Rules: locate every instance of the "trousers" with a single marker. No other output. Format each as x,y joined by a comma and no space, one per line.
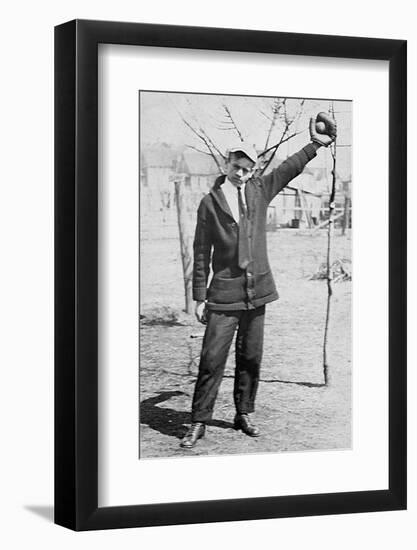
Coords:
220,329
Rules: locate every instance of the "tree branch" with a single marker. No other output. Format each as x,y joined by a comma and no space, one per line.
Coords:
232,121
207,142
275,112
198,150
274,149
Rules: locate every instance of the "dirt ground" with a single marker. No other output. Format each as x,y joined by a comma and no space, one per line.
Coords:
295,411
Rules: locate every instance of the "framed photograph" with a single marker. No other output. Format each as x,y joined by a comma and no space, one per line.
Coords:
230,255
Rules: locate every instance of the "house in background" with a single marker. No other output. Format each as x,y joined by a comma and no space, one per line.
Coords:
303,203
158,167
157,164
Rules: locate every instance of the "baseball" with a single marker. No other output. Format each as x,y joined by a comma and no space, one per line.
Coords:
320,127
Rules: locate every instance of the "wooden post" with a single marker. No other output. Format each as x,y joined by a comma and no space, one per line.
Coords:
305,209
346,214
329,265
185,217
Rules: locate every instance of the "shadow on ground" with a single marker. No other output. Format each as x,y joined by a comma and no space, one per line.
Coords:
168,421
304,384
45,512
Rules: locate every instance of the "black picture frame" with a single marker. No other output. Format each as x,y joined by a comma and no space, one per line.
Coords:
76,273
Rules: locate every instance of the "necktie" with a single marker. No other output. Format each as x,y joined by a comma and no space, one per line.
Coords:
243,250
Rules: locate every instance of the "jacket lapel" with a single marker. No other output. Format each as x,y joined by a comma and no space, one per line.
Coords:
251,192
218,195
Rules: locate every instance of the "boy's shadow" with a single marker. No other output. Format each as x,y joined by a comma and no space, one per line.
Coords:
169,421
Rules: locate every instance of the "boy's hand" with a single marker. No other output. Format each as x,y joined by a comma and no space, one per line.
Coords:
323,129
200,312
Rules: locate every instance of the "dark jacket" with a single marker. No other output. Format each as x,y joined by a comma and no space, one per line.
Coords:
216,241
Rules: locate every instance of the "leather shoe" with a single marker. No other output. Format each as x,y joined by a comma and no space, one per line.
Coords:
243,422
194,433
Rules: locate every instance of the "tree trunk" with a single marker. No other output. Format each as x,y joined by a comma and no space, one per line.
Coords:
326,374
185,216
329,296
345,215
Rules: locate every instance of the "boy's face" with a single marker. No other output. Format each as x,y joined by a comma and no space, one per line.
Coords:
239,170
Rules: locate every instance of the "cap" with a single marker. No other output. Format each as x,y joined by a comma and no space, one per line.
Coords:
245,148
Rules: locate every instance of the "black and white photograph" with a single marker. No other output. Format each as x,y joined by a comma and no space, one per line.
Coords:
245,275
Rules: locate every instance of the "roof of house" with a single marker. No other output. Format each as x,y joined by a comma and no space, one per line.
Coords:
159,155
194,162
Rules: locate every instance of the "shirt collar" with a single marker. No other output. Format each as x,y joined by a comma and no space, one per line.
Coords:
230,187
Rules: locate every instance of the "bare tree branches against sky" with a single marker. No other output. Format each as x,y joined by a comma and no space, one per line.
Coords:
212,122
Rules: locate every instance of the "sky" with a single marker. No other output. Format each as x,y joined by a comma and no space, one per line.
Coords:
161,121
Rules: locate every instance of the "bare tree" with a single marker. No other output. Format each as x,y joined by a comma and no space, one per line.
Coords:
185,229
281,125
279,112
211,148
329,263
230,124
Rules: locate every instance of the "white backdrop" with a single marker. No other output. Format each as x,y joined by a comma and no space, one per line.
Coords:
122,478
26,284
